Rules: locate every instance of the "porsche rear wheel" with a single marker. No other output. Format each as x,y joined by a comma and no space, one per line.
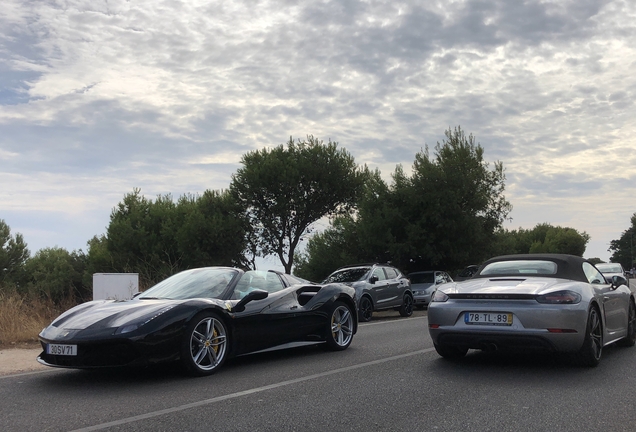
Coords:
592,349
450,352
366,309
205,344
630,339
340,332
406,310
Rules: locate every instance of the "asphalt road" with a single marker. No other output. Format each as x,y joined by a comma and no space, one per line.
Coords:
390,379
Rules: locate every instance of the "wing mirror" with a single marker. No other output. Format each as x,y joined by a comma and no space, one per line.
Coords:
373,280
253,295
618,281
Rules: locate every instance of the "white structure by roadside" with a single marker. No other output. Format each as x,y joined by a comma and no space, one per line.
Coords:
115,286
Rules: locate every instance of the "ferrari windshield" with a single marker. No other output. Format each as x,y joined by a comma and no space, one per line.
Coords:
348,275
198,283
520,267
422,278
609,268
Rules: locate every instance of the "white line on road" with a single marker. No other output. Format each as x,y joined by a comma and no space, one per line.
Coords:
247,392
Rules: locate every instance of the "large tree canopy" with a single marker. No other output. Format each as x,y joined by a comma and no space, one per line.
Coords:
284,190
443,215
543,238
159,238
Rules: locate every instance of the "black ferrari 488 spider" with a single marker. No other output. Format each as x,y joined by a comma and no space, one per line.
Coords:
201,317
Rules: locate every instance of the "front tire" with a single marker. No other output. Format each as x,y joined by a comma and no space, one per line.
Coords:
630,339
590,353
366,309
406,310
450,352
340,332
205,344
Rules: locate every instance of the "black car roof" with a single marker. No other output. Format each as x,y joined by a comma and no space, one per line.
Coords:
568,266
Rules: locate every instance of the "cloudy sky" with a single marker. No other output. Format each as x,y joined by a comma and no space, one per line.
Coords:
98,97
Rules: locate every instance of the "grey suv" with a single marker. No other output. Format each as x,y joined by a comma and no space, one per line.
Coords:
378,287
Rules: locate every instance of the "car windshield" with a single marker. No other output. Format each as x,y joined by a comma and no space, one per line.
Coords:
522,267
422,278
348,275
197,283
609,268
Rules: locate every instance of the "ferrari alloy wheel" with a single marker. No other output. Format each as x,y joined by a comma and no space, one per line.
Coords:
630,338
406,310
592,349
450,352
205,344
341,325
366,309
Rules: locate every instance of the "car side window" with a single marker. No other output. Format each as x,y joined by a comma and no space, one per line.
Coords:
390,273
379,273
593,276
439,278
273,283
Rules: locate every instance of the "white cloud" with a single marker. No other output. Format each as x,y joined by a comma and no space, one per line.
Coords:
99,97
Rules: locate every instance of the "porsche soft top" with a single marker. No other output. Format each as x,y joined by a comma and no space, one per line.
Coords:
560,266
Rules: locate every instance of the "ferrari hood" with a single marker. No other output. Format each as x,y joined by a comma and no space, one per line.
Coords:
109,313
507,285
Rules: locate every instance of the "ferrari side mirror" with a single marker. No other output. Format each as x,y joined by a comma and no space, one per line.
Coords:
253,295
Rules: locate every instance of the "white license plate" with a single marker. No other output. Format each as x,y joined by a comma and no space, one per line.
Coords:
65,350
488,318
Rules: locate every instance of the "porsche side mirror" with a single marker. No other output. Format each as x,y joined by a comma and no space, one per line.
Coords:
373,280
253,295
618,281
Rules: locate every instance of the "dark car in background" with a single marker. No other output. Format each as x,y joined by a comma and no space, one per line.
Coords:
377,286
612,269
424,283
466,273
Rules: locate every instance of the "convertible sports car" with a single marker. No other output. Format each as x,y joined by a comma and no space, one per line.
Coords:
201,317
538,302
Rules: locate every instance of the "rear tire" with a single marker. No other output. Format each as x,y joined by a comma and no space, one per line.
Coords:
590,353
450,352
406,310
366,309
340,331
630,339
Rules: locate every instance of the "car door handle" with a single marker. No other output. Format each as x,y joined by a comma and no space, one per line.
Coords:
294,307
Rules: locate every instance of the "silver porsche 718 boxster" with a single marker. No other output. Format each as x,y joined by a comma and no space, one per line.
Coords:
538,302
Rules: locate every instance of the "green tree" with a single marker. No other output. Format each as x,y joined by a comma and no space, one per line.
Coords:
543,238
159,238
212,231
141,237
624,248
444,215
13,256
284,190
56,274
334,247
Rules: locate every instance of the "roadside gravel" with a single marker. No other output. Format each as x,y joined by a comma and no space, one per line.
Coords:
20,359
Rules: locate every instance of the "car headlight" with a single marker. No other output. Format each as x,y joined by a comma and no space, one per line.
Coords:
439,296
143,321
560,297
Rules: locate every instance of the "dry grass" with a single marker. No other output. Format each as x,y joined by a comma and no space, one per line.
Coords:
23,317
